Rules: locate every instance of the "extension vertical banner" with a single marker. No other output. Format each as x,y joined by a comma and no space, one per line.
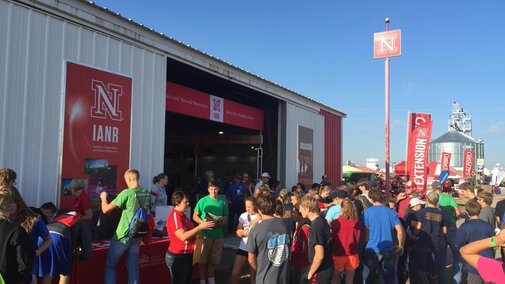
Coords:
419,145
468,161
415,119
96,131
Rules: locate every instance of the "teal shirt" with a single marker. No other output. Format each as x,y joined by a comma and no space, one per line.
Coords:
216,207
128,203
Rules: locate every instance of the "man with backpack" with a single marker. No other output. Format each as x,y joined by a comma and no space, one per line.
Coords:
133,226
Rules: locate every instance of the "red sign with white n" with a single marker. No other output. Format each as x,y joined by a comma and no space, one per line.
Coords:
387,44
96,132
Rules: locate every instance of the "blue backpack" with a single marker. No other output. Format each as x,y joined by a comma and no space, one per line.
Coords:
139,224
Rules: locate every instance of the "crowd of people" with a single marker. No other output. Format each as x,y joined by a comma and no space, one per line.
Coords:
350,234
347,234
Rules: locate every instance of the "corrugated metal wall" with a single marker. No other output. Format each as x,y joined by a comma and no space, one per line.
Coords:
33,47
297,116
332,146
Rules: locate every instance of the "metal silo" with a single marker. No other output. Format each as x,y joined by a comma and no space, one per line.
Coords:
455,142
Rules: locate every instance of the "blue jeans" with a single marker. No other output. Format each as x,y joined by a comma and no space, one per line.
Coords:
385,261
116,250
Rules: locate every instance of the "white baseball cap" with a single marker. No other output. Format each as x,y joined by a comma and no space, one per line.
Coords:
416,201
265,175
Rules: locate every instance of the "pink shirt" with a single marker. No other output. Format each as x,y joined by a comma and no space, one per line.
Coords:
491,270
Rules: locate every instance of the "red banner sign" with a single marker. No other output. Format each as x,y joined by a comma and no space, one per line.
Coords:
468,161
96,134
419,145
187,101
445,161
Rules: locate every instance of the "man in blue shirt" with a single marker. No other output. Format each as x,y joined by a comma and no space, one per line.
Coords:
236,192
336,209
380,249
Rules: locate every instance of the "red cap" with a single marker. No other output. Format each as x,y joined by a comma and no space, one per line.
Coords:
447,186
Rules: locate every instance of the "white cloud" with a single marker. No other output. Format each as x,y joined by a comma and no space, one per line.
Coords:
497,127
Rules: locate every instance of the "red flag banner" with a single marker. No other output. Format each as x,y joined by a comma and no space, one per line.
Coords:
468,160
445,161
419,145
414,120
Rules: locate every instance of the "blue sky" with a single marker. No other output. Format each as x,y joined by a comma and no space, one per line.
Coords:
451,51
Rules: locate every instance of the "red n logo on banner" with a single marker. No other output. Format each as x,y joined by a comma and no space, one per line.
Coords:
106,101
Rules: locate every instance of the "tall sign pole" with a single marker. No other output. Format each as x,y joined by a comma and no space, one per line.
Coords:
386,45
386,118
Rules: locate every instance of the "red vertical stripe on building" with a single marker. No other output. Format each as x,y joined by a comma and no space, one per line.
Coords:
332,146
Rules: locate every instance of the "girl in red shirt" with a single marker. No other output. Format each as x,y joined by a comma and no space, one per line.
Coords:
182,232
345,232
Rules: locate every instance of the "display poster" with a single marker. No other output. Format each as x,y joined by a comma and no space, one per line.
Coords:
305,155
96,132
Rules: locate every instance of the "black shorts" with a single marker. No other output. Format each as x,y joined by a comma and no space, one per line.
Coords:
242,252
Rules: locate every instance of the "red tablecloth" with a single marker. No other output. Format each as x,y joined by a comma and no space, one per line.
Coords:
151,263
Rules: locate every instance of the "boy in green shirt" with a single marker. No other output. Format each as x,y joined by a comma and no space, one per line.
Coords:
211,208
129,201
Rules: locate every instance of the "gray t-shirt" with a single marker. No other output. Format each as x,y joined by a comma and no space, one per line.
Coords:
270,241
487,215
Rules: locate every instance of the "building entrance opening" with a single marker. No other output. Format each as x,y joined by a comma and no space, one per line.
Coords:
194,146
215,124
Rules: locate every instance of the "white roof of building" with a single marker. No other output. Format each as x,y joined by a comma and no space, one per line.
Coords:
270,87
